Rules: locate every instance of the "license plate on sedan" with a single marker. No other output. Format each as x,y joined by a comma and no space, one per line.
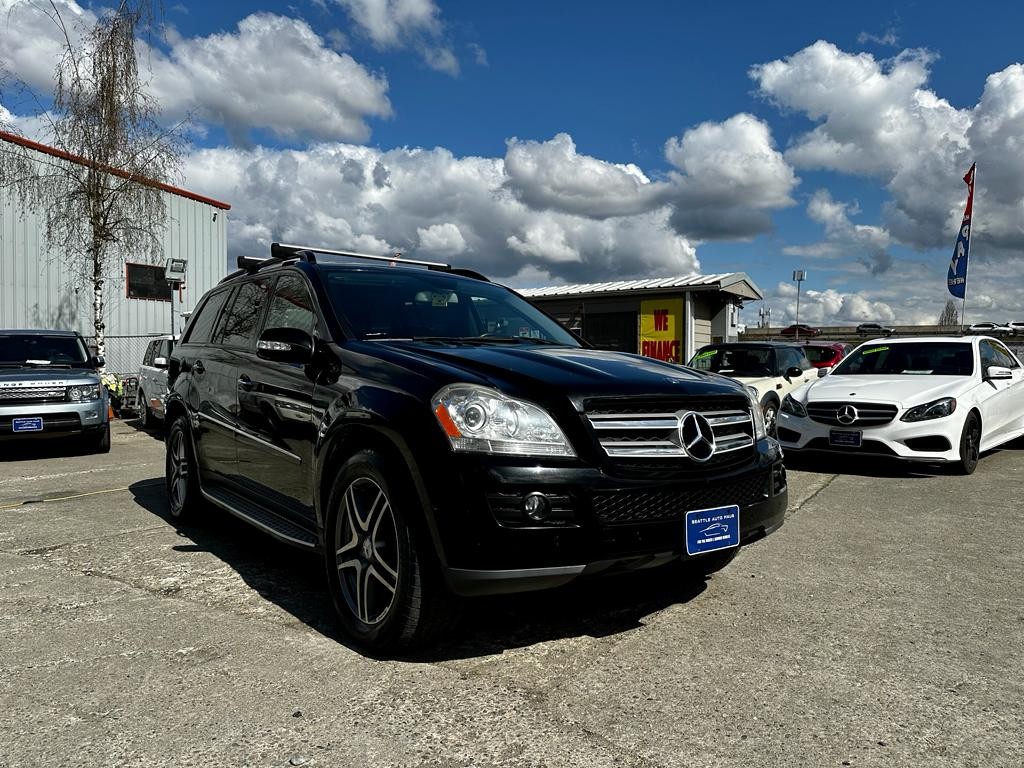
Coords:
28,424
844,438
708,530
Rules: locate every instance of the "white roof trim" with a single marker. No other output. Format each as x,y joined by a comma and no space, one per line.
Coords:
720,281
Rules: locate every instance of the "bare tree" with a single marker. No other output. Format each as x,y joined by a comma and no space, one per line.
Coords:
949,317
101,204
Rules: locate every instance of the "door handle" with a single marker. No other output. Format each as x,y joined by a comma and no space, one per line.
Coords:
198,367
244,382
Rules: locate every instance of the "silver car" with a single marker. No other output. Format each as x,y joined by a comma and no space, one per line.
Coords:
50,388
152,392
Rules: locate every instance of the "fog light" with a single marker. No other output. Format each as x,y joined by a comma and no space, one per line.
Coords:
536,507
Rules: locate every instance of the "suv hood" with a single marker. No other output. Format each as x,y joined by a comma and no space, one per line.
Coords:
905,390
532,370
12,378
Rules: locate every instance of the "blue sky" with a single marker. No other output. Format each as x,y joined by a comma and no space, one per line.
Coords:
650,138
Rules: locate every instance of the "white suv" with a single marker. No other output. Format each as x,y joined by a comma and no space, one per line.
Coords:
152,392
772,369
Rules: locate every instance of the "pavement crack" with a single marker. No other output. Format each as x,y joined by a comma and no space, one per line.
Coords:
803,502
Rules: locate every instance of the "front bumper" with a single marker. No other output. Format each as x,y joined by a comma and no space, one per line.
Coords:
59,419
936,440
609,524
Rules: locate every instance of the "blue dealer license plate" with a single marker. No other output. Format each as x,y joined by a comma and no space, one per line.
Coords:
28,424
711,529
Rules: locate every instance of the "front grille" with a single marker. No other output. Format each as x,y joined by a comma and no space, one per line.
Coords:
868,414
666,504
27,395
649,429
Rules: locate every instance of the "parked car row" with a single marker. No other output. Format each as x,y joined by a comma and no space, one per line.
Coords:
877,330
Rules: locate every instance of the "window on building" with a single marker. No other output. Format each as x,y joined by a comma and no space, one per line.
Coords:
146,281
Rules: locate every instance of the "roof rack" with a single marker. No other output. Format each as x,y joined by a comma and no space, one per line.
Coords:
308,253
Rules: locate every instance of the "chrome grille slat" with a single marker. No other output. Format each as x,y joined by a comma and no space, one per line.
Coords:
39,394
868,414
645,428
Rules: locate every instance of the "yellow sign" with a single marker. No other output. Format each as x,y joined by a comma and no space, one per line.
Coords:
661,329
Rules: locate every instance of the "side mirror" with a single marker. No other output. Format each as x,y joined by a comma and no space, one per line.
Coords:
996,372
822,372
794,373
159,362
98,361
285,345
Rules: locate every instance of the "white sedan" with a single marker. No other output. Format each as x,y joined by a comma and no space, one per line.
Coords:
931,399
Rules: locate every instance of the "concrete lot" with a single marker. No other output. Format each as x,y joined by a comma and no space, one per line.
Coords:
883,625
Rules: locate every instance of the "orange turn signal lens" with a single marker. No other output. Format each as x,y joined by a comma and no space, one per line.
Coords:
447,424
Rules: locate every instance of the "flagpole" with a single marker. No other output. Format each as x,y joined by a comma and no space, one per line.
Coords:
967,266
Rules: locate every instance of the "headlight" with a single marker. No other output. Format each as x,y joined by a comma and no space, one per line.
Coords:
84,393
793,407
483,420
757,414
933,410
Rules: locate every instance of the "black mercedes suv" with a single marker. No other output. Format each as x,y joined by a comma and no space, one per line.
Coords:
435,435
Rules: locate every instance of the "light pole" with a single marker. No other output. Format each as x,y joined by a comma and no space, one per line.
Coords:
799,276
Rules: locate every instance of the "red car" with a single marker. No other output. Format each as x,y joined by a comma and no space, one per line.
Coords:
800,329
825,354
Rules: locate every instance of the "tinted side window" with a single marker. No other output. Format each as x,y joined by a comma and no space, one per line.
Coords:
291,306
988,356
199,330
1003,353
147,359
164,350
239,326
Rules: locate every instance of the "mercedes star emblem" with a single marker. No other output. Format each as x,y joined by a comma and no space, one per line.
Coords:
696,436
846,415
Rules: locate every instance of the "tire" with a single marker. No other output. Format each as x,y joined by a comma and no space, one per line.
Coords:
181,474
102,443
145,415
384,578
970,444
770,409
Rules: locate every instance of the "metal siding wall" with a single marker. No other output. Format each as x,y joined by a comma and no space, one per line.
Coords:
38,290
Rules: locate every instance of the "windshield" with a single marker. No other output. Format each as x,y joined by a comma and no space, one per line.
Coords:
411,304
743,362
912,358
41,350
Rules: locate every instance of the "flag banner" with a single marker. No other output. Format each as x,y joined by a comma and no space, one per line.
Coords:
956,278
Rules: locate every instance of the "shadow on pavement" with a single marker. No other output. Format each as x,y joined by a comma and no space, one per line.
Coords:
294,580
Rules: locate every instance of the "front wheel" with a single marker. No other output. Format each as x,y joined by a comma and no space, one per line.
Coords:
770,409
101,444
970,445
145,415
384,579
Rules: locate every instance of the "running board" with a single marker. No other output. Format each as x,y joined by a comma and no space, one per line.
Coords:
268,522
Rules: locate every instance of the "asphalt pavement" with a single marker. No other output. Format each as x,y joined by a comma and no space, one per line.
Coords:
883,625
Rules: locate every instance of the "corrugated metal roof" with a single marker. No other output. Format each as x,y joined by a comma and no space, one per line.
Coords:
720,281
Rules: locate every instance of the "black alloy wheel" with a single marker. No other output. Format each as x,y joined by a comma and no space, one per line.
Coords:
101,444
181,474
970,444
384,578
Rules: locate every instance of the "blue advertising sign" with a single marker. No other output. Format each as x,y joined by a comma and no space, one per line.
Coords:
710,529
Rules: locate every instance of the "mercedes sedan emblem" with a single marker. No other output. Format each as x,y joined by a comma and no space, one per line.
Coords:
846,415
696,436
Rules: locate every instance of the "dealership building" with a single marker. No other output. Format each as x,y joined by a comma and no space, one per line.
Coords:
666,318
39,290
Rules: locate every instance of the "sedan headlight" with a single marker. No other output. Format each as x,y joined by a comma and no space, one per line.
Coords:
84,393
483,420
756,414
933,410
793,407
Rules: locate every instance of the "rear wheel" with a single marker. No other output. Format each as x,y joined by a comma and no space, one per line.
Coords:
181,473
145,415
384,579
970,444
